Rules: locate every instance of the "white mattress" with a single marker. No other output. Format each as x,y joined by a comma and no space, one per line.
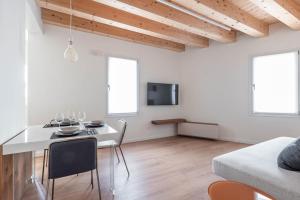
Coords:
257,166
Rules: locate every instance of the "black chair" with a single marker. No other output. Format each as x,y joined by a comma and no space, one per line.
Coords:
72,157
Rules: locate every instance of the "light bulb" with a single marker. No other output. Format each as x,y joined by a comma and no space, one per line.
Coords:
70,53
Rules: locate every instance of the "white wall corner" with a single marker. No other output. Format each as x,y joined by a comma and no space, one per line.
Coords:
34,14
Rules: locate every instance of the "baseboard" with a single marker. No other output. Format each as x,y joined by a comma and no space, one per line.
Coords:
237,140
139,139
223,139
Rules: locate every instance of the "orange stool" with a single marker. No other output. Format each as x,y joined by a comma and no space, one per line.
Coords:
230,190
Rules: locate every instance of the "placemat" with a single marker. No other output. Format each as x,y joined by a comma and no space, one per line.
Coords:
82,133
51,125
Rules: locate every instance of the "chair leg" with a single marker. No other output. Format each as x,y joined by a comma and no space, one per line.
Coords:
47,192
47,157
92,181
52,189
43,170
98,181
124,160
117,155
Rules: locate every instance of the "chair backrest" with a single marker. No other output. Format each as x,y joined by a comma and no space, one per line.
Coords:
72,157
122,125
230,190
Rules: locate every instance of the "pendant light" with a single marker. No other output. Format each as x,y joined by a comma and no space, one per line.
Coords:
70,52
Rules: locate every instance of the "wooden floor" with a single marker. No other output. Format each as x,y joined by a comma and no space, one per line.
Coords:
176,168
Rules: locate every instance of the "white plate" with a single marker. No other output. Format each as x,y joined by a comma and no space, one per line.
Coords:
68,130
96,122
67,134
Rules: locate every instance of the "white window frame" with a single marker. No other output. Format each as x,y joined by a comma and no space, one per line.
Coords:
251,71
131,114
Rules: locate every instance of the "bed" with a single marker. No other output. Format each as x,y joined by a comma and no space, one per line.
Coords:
257,166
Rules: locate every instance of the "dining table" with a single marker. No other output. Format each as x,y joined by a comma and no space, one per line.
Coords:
37,138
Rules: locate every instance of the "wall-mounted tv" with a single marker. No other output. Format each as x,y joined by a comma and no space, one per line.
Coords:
162,94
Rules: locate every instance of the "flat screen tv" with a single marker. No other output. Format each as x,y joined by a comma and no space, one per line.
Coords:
162,94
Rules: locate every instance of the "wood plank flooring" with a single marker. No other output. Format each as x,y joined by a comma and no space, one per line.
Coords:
175,168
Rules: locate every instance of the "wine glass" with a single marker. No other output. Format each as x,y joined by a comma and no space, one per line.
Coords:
59,118
81,118
72,117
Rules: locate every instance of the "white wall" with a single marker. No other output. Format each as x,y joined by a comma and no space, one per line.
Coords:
12,84
56,85
33,16
214,83
216,86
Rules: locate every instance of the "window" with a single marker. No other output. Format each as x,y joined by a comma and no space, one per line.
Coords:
275,83
122,86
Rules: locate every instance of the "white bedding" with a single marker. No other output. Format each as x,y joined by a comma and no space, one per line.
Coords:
257,166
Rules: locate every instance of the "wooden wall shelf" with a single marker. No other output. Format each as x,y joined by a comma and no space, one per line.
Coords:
168,121
190,128
203,123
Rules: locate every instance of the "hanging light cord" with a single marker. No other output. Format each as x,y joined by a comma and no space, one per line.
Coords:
71,18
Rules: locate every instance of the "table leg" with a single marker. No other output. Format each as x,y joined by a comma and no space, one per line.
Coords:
17,170
112,169
33,177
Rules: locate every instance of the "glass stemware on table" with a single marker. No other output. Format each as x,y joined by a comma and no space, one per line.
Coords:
70,117
81,118
59,118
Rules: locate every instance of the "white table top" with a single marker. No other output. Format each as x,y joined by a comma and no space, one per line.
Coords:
36,138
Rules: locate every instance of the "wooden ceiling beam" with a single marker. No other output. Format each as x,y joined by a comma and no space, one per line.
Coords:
105,14
61,19
161,13
227,13
286,11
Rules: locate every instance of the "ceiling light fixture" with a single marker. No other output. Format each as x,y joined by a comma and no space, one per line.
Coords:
194,14
70,52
